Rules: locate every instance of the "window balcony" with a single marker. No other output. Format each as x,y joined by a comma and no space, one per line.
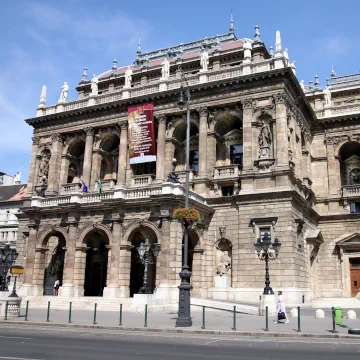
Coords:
350,191
70,188
142,180
227,172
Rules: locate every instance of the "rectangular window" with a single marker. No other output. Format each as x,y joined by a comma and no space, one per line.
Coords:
263,231
236,154
194,160
355,208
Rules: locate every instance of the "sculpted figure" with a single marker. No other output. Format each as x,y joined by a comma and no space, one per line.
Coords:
265,135
64,92
94,85
327,95
128,78
224,265
204,61
165,70
44,166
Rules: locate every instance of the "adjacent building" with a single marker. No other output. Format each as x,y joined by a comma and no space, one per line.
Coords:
268,155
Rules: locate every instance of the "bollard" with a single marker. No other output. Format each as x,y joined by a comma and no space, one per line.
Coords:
48,313
6,310
120,320
266,319
299,328
234,319
95,307
333,320
203,318
70,307
146,309
27,310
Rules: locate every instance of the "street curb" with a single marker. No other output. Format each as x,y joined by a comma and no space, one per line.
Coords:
186,331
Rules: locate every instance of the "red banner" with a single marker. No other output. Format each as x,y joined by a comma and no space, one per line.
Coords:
141,134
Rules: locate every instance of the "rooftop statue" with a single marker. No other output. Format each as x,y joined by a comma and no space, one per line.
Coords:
64,92
327,96
128,78
94,85
204,61
165,70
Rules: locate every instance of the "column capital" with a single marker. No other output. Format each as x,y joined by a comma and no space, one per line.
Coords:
57,137
203,111
247,103
123,125
35,140
89,131
279,99
161,118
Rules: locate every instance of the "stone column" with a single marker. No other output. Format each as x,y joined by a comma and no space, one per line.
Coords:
65,162
282,155
33,163
112,286
55,163
123,146
160,156
247,134
88,155
124,270
69,264
203,127
334,170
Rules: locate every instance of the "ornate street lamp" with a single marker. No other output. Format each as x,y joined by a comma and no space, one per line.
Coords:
148,254
184,316
7,258
267,251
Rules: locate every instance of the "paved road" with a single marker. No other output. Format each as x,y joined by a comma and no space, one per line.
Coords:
36,343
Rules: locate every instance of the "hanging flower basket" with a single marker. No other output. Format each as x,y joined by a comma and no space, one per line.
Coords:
191,215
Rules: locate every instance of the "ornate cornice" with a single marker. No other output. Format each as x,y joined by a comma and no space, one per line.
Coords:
247,104
279,99
161,118
123,125
334,140
203,112
89,131
35,140
57,137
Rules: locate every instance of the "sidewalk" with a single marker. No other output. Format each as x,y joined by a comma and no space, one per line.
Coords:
215,320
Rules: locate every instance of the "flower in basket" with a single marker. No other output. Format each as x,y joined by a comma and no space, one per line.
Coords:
187,214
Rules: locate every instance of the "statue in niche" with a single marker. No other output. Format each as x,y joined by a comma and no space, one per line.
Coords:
224,265
355,176
44,166
265,140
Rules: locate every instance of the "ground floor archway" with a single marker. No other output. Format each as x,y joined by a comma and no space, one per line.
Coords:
96,263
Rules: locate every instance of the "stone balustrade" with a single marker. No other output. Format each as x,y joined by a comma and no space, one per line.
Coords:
182,176
343,109
70,188
142,180
350,191
121,193
108,184
227,172
155,87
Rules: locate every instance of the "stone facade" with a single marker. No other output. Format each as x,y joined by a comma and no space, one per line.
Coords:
265,156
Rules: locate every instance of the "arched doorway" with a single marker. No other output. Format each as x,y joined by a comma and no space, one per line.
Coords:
54,261
137,237
96,263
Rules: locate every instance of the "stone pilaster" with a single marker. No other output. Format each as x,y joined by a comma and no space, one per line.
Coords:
123,146
55,164
247,134
96,168
203,128
282,155
88,155
160,156
79,270
334,170
65,162
33,165
30,260
69,265
124,269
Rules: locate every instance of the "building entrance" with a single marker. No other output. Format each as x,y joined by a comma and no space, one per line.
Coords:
355,276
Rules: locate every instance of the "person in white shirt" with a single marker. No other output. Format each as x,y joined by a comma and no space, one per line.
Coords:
281,307
56,288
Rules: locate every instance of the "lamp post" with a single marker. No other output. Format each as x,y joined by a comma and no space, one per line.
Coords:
148,254
7,258
184,316
267,251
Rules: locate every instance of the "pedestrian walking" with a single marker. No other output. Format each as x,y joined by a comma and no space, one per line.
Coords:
281,309
56,288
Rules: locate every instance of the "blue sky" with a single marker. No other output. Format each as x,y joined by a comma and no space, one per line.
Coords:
49,42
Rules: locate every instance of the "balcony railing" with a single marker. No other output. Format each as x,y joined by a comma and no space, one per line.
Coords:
182,176
350,191
70,188
154,87
142,180
227,172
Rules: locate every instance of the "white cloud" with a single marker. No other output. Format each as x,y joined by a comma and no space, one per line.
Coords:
333,46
